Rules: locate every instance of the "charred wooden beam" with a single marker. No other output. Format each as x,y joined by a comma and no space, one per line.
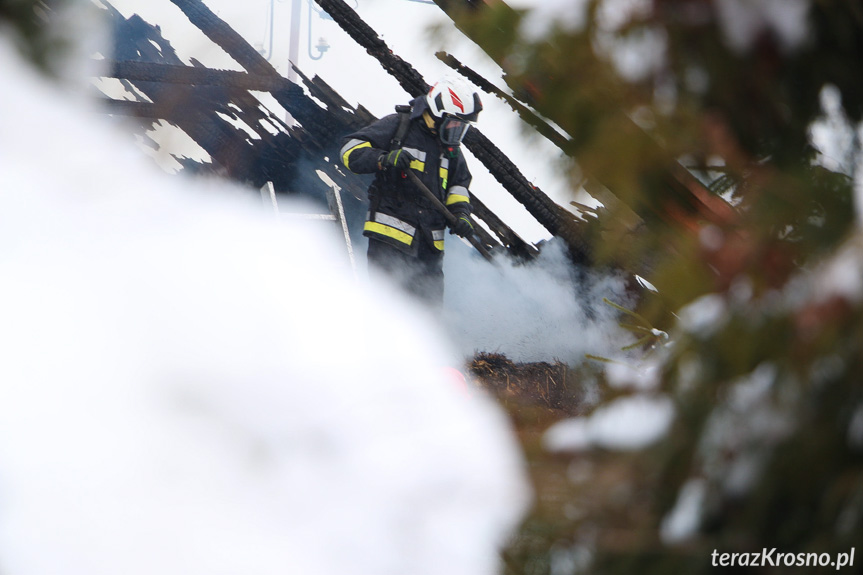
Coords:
135,39
226,37
512,241
526,114
363,34
136,109
191,76
559,222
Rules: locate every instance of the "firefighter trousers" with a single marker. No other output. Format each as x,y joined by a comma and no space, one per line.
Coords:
420,276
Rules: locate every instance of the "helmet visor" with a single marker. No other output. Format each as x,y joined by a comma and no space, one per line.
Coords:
452,130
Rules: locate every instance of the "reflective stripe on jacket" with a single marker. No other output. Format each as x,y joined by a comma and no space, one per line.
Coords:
399,214
382,225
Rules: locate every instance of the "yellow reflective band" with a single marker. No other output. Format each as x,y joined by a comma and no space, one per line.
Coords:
389,232
444,173
439,245
456,198
418,166
346,154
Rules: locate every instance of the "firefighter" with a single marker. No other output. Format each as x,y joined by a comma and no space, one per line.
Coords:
405,230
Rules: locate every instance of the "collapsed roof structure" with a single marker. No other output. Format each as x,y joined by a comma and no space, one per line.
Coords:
210,105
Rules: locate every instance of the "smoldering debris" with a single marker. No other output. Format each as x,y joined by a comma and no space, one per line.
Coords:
549,385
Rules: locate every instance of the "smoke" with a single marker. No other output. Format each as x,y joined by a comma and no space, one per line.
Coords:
544,310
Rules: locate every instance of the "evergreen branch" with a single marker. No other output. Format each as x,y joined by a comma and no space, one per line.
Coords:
599,358
640,342
620,308
640,328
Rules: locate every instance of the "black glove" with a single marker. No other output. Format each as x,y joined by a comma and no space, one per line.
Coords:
400,159
462,226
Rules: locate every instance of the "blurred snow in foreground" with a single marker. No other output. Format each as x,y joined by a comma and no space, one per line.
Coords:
626,424
741,21
189,388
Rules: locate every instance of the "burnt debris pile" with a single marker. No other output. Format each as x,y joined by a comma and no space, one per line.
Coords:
547,390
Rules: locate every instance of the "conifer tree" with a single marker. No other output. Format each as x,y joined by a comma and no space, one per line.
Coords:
766,447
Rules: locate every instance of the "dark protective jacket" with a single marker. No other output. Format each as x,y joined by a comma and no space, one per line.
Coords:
399,214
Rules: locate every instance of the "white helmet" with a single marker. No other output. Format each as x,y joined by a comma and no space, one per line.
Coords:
455,106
